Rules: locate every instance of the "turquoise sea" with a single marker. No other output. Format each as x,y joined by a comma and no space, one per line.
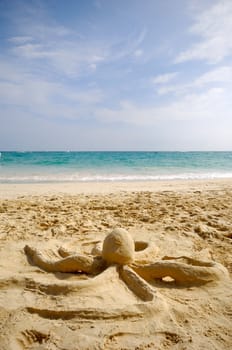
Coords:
33,167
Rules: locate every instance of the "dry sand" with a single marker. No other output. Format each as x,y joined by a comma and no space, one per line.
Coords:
41,310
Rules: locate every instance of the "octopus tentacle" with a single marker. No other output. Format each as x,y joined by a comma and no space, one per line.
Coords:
191,261
193,272
74,263
64,252
139,286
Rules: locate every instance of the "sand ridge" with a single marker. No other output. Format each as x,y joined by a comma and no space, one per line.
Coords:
41,310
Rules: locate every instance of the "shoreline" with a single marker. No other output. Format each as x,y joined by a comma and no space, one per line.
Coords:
30,189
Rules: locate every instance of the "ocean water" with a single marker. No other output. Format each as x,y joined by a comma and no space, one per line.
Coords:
39,167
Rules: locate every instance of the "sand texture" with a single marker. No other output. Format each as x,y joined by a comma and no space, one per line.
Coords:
173,292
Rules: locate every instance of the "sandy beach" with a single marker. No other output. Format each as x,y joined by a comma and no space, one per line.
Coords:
45,310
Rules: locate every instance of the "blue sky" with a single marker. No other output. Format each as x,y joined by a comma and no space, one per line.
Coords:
116,75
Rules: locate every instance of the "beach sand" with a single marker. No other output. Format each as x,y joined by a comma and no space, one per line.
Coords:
41,310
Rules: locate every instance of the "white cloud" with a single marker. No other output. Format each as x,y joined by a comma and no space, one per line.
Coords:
45,98
213,26
138,53
198,107
61,49
129,46
220,76
164,78
12,71
20,39
64,50
71,58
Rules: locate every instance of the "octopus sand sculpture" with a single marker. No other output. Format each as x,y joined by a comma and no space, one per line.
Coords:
133,262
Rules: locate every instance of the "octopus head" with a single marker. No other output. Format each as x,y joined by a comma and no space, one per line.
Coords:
118,247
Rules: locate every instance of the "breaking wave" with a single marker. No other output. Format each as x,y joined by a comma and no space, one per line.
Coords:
50,178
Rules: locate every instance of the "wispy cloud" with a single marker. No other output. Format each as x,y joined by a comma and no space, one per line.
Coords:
52,50
126,48
164,78
221,74
65,50
138,53
70,57
44,98
218,77
213,27
19,40
203,106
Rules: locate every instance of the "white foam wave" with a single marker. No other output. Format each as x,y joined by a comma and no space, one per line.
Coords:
111,177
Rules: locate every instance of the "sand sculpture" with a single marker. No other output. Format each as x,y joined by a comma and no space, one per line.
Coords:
133,262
